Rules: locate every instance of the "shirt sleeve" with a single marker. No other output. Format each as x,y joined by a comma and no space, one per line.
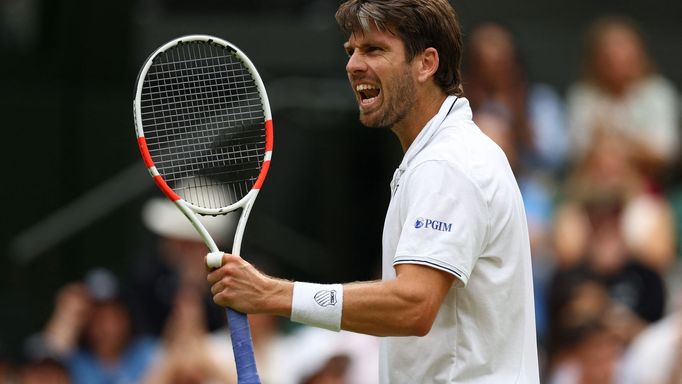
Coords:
445,220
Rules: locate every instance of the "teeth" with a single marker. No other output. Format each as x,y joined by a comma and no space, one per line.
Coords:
363,87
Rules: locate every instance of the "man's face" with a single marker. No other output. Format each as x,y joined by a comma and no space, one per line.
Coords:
381,78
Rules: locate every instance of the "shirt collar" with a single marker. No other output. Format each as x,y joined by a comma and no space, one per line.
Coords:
426,134
430,129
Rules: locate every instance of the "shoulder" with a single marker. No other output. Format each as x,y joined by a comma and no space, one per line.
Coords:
461,142
437,173
442,180
656,86
464,150
659,82
580,91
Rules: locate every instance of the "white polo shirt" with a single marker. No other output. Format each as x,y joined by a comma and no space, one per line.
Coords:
456,207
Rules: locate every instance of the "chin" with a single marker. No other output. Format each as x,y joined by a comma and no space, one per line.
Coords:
372,121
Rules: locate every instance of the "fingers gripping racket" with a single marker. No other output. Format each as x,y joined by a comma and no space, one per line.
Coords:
205,133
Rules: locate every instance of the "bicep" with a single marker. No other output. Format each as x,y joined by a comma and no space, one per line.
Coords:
445,220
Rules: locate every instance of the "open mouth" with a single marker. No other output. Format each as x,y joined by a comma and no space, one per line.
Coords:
368,93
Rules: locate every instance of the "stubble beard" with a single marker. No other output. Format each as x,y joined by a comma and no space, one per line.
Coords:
397,106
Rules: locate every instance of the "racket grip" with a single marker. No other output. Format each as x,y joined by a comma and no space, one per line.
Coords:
242,347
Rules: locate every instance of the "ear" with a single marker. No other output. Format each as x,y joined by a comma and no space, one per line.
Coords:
427,63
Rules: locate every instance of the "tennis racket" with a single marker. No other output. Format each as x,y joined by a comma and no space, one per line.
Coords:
204,129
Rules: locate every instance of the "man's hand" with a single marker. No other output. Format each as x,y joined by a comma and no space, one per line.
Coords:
240,286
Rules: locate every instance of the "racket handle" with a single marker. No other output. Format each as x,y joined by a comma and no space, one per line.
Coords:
242,347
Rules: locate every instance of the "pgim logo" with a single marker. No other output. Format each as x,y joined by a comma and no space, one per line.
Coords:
436,225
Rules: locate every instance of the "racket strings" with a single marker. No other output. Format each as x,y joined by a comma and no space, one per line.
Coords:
204,123
186,114
163,79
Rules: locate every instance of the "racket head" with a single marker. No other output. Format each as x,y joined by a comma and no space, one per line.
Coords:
203,123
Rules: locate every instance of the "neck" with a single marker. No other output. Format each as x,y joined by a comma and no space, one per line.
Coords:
426,105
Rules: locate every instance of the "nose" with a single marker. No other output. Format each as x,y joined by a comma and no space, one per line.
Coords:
355,63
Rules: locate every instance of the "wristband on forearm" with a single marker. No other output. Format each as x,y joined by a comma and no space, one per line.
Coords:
318,305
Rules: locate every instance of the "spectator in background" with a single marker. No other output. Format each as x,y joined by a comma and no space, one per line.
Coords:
187,356
607,260
613,230
582,346
41,371
494,79
312,355
91,332
176,261
621,95
655,356
601,296
526,120
609,176
172,298
171,291
623,126
304,354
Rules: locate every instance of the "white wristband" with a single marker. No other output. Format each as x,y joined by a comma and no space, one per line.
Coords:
318,305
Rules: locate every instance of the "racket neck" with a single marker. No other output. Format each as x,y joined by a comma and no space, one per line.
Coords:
241,225
201,230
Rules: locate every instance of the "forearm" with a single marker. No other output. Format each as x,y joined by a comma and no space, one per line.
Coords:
61,336
380,308
406,305
387,308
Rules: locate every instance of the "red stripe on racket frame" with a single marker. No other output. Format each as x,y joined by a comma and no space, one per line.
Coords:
165,188
268,135
268,148
160,182
142,144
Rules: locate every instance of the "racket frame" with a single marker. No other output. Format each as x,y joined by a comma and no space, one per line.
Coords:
187,208
241,336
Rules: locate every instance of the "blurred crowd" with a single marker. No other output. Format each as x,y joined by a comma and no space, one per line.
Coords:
599,170
160,326
599,173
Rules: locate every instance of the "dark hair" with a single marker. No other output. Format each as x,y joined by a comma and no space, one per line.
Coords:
420,24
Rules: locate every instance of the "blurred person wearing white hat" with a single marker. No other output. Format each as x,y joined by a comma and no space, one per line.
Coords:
174,262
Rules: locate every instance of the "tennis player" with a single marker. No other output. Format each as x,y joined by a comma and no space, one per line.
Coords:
455,303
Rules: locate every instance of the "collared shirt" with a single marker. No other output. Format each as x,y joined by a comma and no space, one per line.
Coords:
456,207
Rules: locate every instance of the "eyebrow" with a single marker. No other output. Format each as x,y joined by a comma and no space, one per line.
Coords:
373,43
